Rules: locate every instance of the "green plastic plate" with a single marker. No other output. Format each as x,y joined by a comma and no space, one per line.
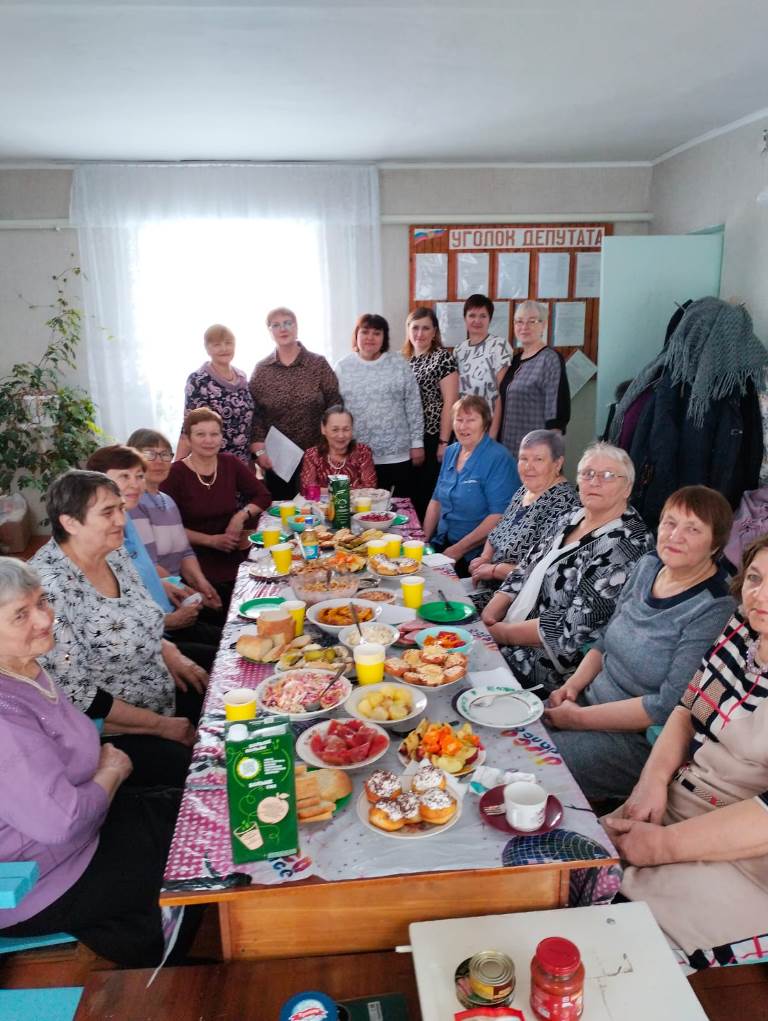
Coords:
401,519
257,538
258,604
439,613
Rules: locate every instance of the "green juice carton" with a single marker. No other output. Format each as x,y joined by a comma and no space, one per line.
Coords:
261,789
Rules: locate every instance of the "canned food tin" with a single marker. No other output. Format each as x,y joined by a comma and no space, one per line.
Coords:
492,976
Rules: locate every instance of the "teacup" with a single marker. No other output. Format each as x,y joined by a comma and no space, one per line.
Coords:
525,805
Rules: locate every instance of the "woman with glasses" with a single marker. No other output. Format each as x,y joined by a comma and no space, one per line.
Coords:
534,390
291,388
218,385
158,521
563,593
671,610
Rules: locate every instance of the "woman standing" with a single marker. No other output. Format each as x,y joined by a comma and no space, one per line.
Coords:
218,385
476,481
338,453
291,389
381,392
547,611
669,613
695,828
437,374
534,389
482,358
207,487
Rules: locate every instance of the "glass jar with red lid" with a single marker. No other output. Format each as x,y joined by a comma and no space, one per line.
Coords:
557,980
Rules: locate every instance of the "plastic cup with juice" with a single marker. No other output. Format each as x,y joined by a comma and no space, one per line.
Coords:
394,544
240,704
413,548
413,591
296,608
270,535
369,663
287,510
282,554
376,546
362,504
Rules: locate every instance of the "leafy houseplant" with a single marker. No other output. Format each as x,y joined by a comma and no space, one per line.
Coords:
46,426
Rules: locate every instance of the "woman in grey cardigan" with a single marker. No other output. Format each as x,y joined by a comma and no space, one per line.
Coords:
380,391
671,610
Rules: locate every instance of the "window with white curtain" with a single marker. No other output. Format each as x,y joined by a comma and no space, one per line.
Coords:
192,273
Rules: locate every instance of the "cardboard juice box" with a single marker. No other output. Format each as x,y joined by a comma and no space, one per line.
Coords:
261,789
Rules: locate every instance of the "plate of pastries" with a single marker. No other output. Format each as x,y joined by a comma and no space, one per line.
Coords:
427,668
410,806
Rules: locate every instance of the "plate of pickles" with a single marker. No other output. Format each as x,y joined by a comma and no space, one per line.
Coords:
312,655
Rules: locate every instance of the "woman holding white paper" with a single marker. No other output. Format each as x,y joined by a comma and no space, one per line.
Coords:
534,390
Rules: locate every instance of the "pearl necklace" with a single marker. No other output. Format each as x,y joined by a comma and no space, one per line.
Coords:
51,692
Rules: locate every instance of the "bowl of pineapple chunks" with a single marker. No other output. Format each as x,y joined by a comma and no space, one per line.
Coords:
387,704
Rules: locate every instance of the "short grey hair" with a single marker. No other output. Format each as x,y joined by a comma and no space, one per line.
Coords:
17,579
550,438
621,457
539,307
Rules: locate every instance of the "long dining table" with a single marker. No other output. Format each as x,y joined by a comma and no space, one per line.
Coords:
350,889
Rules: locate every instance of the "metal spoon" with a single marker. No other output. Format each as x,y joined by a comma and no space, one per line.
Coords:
483,701
313,707
443,596
356,619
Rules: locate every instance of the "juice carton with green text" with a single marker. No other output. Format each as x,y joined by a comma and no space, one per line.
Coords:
261,789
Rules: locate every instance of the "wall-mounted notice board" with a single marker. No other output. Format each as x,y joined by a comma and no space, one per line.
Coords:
558,264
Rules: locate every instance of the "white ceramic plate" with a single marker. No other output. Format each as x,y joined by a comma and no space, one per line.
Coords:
424,829
418,700
346,688
518,708
304,750
333,629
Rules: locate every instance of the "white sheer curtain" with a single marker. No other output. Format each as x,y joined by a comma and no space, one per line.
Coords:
168,250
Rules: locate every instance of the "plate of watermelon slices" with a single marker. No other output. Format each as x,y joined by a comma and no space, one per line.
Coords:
346,744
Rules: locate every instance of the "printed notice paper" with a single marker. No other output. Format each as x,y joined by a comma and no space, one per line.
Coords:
554,268
587,275
450,315
431,277
512,273
569,324
284,454
471,274
579,369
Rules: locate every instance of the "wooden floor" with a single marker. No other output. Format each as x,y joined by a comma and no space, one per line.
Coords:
726,994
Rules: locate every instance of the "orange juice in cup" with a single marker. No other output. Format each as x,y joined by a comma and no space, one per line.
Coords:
369,663
394,544
296,608
270,535
240,704
413,548
413,591
287,510
282,555
362,504
377,546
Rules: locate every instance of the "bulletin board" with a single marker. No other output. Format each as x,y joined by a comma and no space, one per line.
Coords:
556,264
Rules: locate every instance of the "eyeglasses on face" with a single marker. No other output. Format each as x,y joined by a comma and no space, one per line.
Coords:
157,455
286,324
589,475
526,322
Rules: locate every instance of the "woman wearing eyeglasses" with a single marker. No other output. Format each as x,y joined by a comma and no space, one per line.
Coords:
218,385
291,388
534,390
563,594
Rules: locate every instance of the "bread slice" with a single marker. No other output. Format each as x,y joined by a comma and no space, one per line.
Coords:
333,783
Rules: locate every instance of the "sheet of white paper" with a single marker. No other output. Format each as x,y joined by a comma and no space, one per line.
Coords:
587,275
284,454
499,675
512,274
500,321
431,277
554,268
471,274
579,369
569,323
450,315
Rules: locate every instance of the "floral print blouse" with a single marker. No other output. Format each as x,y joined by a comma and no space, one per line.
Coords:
232,400
578,594
105,648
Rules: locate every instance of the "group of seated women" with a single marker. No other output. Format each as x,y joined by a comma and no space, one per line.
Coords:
115,623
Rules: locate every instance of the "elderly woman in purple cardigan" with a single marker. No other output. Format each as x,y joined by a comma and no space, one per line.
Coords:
66,802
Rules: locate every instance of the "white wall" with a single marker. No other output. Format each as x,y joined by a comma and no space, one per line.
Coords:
716,182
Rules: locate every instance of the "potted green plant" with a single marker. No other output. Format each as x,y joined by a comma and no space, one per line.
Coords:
46,424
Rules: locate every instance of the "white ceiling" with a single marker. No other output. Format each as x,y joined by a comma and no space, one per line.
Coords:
511,80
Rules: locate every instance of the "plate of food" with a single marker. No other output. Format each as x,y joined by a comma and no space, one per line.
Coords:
288,693
388,704
333,615
343,563
427,668
373,519
315,656
447,612
456,751
251,608
268,648
376,595
346,539
320,793
373,633
392,567
314,585
512,707
450,639
345,744
409,807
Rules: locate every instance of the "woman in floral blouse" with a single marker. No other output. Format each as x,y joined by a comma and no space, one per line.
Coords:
338,453
437,374
218,385
545,614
